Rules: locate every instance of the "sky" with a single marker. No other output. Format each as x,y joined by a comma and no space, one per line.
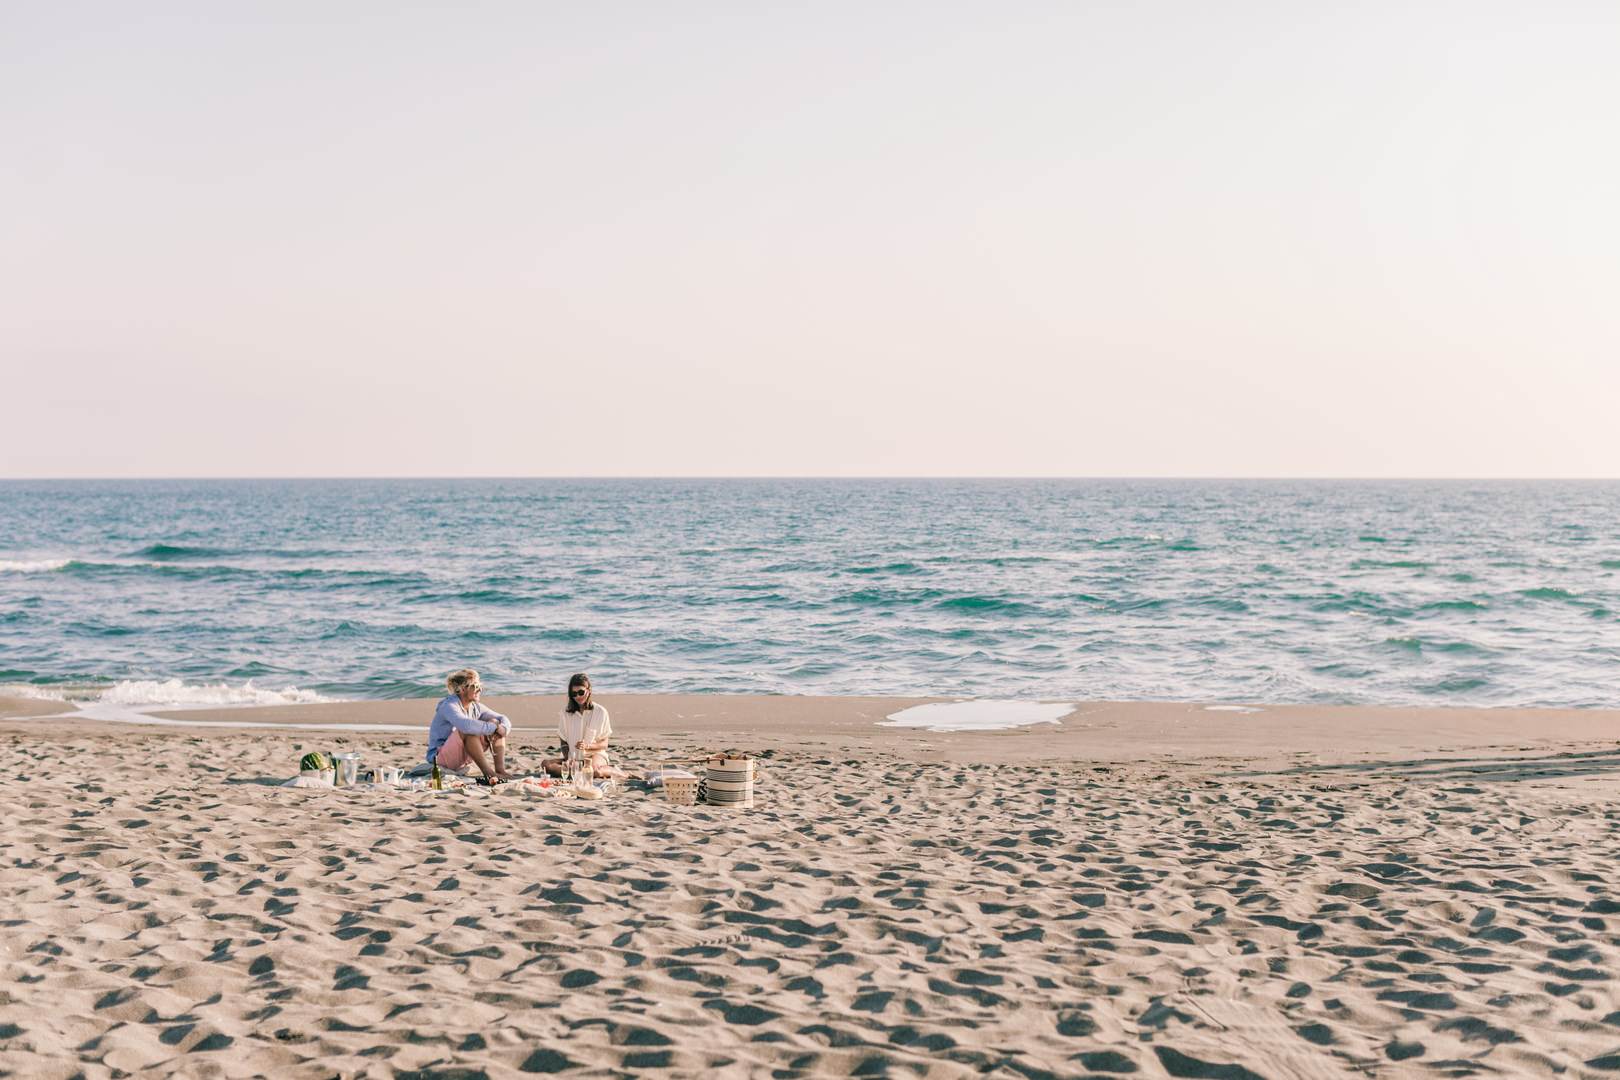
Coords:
836,239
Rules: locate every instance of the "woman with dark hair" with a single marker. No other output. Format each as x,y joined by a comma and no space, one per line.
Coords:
584,728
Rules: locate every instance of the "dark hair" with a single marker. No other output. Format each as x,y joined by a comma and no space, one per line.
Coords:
584,680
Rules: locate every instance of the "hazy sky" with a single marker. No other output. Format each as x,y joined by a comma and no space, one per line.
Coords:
1240,239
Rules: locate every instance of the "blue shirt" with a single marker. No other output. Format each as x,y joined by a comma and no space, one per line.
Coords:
473,720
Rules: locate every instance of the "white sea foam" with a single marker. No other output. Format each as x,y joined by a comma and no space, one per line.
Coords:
1230,708
146,692
978,715
135,700
31,566
35,693
141,695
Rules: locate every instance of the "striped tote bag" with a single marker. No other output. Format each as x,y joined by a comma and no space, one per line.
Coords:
729,781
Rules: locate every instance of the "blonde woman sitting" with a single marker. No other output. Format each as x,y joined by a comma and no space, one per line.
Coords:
464,730
584,729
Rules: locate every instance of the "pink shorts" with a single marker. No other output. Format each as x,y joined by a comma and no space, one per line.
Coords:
453,754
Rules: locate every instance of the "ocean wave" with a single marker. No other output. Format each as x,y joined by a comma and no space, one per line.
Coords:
1126,541
1550,594
814,669
343,578
97,630
185,552
688,646
376,631
528,634
890,568
1145,604
150,692
766,598
316,577
998,560
888,597
1220,603
1456,685
34,693
1344,670
387,688
1361,603
92,568
1421,645
543,633
493,596
988,605
175,692
486,597
176,552
31,566
1454,605
253,669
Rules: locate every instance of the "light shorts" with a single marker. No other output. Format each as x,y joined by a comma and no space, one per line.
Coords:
453,754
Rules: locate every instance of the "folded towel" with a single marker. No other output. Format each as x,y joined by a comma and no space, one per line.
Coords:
656,777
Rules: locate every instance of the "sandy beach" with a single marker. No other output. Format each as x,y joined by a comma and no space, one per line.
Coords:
1144,889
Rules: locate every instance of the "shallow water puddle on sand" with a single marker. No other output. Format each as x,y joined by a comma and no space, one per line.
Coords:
978,715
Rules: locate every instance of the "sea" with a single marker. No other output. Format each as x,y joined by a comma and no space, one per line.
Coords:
195,592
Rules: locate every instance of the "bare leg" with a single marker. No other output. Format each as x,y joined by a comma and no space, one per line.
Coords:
553,766
475,750
499,744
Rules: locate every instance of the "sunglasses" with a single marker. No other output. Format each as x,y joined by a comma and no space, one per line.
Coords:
580,693
475,687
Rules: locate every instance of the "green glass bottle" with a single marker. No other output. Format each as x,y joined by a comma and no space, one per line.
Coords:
438,780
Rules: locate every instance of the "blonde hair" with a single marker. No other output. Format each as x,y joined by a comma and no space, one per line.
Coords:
458,680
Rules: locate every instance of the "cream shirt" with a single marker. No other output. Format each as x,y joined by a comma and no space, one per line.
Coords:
586,727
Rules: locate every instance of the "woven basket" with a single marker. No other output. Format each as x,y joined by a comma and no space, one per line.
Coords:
730,782
682,790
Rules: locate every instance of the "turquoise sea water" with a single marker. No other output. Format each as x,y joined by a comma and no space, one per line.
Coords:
1495,593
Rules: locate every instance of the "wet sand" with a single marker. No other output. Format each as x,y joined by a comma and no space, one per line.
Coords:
1269,735
1145,889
